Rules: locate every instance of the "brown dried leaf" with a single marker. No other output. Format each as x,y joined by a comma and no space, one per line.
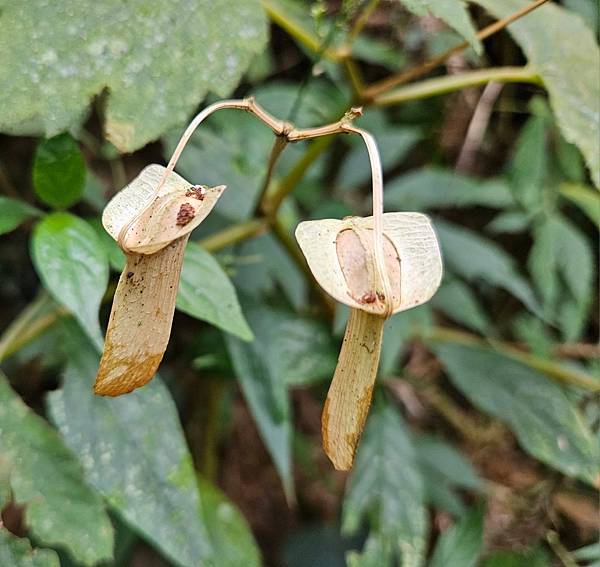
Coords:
349,396
140,320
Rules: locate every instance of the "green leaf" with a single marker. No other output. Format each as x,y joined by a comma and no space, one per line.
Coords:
147,54
570,69
267,398
444,470
386,486
475,258
585,198
509,222
72,264
206,293
461,544
229,533
536,557
377,552
133,452
262,263
458,302
545,421
60,509
14,212
529,164
296,349
17,552
431,188
59,172
454,12
394,141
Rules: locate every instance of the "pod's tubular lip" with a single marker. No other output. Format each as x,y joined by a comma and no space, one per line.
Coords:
414,238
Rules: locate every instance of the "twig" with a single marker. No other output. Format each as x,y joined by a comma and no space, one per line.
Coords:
558,372
234,234
478,126
451,83
36,318
559,549
362,20
395,80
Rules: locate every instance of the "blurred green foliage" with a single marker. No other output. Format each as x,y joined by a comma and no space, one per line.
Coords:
482,447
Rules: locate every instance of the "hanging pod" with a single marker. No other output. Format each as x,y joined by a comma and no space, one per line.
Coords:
152,227
378,266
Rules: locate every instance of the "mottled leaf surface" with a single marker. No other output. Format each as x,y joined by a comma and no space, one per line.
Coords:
45,477
133,452
227,529
206,293
562,48
73,267
157,59
545,421
17,552
386,486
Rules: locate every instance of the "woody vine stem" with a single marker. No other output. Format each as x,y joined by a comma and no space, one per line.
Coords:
286,132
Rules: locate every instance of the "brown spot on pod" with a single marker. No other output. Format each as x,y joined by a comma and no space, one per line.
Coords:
185,214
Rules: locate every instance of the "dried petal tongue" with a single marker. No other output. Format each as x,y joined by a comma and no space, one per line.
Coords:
349,395
140,320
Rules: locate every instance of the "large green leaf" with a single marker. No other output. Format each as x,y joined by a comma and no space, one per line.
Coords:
585,198
205,292
386,486
227,528
542,416
453,12
457,301
60,509
73,267
431,188
17,552
59,172
133,451
157,59
476,258
563,50
461,544
266,395
536,557
296,349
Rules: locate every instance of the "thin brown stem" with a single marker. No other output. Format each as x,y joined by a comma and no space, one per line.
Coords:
401,78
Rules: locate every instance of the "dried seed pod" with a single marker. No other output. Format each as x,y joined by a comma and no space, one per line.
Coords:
153,229
341,256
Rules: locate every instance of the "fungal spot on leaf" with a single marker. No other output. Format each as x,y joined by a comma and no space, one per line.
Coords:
197,192
185,214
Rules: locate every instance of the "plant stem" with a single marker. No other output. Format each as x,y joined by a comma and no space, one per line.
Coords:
362,20
548,367
234,234
451,83
376,89
272,199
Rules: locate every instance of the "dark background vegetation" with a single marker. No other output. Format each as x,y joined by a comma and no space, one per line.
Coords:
482,447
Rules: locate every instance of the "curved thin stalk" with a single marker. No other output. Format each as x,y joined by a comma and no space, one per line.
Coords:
377,189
